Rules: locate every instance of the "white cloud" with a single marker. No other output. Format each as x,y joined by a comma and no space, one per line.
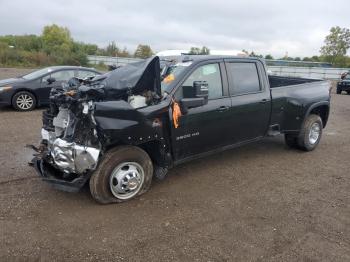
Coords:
297,27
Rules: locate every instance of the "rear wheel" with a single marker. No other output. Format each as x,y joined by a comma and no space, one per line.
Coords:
348,92
124,173
24,101
310,133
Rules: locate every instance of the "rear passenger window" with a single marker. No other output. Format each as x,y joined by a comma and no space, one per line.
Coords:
244,77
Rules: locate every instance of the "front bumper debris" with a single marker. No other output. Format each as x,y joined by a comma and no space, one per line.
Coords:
55,177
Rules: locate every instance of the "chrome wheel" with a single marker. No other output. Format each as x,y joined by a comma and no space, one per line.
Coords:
126,180
24,102
314,133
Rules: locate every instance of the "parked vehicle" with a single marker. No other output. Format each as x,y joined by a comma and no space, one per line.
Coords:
121,129
29,91
344,85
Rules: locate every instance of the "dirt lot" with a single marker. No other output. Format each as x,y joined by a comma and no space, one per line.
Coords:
261,202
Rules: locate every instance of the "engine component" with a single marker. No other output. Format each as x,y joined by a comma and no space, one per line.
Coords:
74,158
60,122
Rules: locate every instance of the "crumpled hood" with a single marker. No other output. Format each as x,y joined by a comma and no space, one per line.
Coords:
133,78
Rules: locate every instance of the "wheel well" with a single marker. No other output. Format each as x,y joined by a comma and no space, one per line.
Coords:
154,149
323,112
156,152
26,90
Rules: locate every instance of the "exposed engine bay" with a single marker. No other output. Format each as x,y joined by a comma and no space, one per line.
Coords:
72,139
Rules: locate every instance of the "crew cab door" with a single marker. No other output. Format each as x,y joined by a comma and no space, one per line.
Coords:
60,77
203,128
251,100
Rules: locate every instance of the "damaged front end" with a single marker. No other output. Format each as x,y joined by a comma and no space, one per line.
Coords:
70,147
72,140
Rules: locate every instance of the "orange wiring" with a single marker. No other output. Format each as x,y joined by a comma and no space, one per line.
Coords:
176,114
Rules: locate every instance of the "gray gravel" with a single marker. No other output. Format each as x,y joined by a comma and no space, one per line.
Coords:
261,202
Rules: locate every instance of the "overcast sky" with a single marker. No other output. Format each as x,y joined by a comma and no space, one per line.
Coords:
272,26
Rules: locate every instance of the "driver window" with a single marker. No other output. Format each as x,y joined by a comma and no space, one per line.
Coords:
209,73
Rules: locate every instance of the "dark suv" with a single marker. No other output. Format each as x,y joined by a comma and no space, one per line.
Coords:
344,85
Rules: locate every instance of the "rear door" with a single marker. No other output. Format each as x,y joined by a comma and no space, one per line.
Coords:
251,100
61,77
203,128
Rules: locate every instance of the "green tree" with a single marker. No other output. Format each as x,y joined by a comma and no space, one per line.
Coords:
199,51
57,40
112,49
336,45
143,51
205,50
124,53
252,54
269,57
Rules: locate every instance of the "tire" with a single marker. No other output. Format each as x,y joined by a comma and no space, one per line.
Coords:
23,101
338,90
348,92
310,133
291,141
121,169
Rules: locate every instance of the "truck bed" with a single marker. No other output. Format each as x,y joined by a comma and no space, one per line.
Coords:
279,81
289,95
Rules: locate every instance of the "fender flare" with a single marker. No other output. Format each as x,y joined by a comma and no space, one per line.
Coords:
313,106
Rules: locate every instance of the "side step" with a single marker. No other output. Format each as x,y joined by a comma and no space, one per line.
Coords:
274,130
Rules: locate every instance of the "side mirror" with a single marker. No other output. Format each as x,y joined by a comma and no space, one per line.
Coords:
50,80
195,96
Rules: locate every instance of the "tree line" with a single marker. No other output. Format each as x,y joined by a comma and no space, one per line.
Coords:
55,46
334,50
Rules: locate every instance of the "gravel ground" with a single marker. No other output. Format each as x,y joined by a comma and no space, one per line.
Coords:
261,202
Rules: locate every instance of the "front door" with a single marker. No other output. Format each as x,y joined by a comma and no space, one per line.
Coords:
203,128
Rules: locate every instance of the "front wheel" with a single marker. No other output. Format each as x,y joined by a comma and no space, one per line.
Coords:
24,101
310,133
124,173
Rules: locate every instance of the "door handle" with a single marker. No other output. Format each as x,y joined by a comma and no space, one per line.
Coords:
223,108
263,101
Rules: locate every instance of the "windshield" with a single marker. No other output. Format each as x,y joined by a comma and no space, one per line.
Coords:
37,74
171,74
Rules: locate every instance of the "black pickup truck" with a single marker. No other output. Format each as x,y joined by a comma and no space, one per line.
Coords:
119,130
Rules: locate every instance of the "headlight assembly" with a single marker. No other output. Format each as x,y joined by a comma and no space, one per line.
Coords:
5,88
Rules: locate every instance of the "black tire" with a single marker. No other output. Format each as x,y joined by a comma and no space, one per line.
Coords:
23,101
100,181
291,140
304,141
348,92
339,90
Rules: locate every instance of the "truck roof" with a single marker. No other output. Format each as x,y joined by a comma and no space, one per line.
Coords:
199,58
